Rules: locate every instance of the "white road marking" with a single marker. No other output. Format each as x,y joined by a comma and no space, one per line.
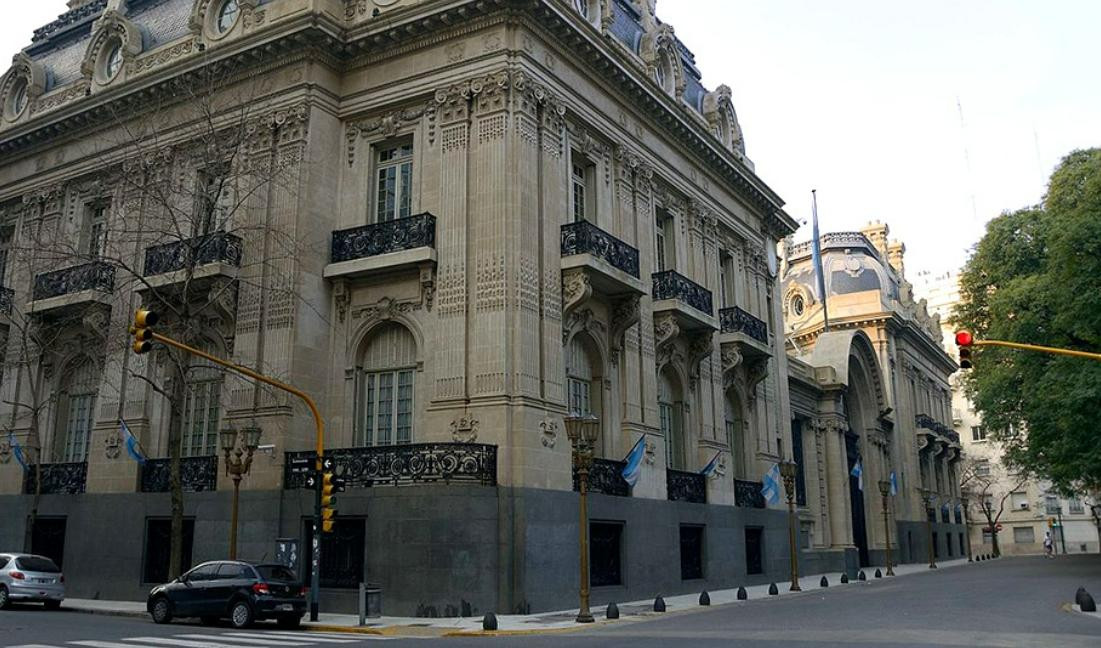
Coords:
108,644
229,636
305,636
188,643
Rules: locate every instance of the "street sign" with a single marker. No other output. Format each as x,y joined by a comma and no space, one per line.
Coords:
301,465
311,481
286,552
327,464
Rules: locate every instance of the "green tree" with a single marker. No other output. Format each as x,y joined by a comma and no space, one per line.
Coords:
1035,277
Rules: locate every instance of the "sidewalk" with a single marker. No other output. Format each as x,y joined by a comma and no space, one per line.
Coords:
560,621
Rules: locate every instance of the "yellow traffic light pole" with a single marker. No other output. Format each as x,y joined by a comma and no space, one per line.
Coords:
1036,347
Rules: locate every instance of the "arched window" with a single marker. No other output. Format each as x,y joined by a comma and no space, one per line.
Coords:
735,433
76,411
670,411
583,379
201,410
384,387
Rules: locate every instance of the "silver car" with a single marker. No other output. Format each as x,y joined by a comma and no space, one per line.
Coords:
26,577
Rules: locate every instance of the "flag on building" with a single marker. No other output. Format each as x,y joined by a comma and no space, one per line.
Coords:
17,450
133,448
816,258
770,485
894,483
633,470
711,466
858,472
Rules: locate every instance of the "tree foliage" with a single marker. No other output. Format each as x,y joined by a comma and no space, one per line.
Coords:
1035,277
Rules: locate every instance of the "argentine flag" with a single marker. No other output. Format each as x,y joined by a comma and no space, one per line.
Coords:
894,484
770,485
711,466
633,470
133,448
858,472
17,450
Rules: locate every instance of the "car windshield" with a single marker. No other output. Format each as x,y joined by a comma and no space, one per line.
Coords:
37,564
275,573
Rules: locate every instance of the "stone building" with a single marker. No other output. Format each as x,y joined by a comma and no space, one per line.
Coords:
871,388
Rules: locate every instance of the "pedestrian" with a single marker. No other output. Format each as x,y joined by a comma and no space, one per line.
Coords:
1049,546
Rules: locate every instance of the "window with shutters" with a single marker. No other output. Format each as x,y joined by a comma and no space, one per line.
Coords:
76,410
663,241
385,387
582,187
393,181
670,406
95,228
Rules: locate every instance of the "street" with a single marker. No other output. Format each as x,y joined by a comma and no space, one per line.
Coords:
1006,603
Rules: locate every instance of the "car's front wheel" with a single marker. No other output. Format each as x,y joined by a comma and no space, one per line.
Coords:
52,605
5,600
162,610
240,614
289,621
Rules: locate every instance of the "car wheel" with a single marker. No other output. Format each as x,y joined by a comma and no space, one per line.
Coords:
289,622
209,620
240,614
162,610
5,601
52,605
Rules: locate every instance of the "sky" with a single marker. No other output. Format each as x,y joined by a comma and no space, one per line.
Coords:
932,116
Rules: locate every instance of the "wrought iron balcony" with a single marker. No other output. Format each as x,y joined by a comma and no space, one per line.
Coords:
197,475
605,476
403,465
670,284
583,237
686,486
736,320
7,298
97,275
929,423
218,247
748,494
385,237
57,478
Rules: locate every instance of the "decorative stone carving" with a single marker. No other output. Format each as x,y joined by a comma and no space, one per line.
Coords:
111,25
699,348
576,289
650,452
731,358
387,125
5,451
550,432
464,429
386,308
583,320
428,285
341,297
625,314
112,445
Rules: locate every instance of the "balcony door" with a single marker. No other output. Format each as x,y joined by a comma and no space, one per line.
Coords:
671,415
584,381
385,387
76,411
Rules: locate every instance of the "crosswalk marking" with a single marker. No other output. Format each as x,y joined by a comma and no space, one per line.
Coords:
311,636
270,641
108,644
191,643
257,638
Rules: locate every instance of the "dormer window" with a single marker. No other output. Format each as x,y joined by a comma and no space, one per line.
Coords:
227,16
583,8
19,98
112,60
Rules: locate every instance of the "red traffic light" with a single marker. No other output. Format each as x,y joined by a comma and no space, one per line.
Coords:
964,338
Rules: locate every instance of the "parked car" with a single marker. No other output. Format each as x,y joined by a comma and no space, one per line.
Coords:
230,589
26,577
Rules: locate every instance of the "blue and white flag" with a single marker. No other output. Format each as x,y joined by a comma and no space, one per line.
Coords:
17,450
770,485
816,259
858,472
633,470
894,484
133,448
712,465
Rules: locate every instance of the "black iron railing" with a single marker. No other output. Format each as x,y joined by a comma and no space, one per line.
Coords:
218,247
670,284
402,465
685,486
7,298
583,237
197,475
606,476
929,423
96,275
58,478
748,494
736,320
381,238
959,516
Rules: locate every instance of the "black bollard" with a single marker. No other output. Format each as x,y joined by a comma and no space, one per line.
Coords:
1087,604
742,595
825,582
705,598
878,574
1080,595
862,576
613,611
659,604
489,622
844,578
772,590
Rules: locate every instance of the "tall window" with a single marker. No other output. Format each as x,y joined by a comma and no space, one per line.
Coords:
978,433
95,229
669,412
76,408
394,182
213,200
663,241
726,280
1051,505
582,190
1074,505
384,390
200,418
5,245
735,425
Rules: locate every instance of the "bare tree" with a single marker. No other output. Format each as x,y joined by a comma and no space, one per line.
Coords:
985,483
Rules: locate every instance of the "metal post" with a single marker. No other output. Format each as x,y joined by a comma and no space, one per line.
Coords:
927,498
584,615
363,604
1062,531
787,472
885,490
315,554
233,517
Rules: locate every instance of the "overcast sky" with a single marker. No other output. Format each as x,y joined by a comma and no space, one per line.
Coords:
861,100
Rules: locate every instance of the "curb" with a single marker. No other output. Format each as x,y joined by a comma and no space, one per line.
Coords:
321,627
119,613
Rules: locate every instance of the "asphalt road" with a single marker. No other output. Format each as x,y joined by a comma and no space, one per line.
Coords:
1006,603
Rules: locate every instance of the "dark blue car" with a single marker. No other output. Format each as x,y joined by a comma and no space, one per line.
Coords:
229,589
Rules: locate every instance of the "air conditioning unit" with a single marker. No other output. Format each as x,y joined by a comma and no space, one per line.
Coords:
1024,506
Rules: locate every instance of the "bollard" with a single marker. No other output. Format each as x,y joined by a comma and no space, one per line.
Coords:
844,578
825,582
362,604
772,591
1086,603
659,604
613,611
742,594
489,622
862,576
878,574
1080,596
705,598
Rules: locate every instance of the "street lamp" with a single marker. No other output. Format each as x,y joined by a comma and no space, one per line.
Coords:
787,471
966,527
236,443
885,491
927,497
582,432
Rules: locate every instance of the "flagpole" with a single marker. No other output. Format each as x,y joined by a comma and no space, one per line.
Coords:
816,247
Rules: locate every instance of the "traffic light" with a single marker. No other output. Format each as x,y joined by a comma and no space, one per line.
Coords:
327,502
964,340
141,329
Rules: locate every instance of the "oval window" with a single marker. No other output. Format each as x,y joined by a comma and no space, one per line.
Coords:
583,8
112,63
19,98
798,305
227,15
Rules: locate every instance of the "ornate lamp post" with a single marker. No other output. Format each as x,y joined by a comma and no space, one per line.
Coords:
582,431
235,444
927,499
885,491
966,527
787,471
